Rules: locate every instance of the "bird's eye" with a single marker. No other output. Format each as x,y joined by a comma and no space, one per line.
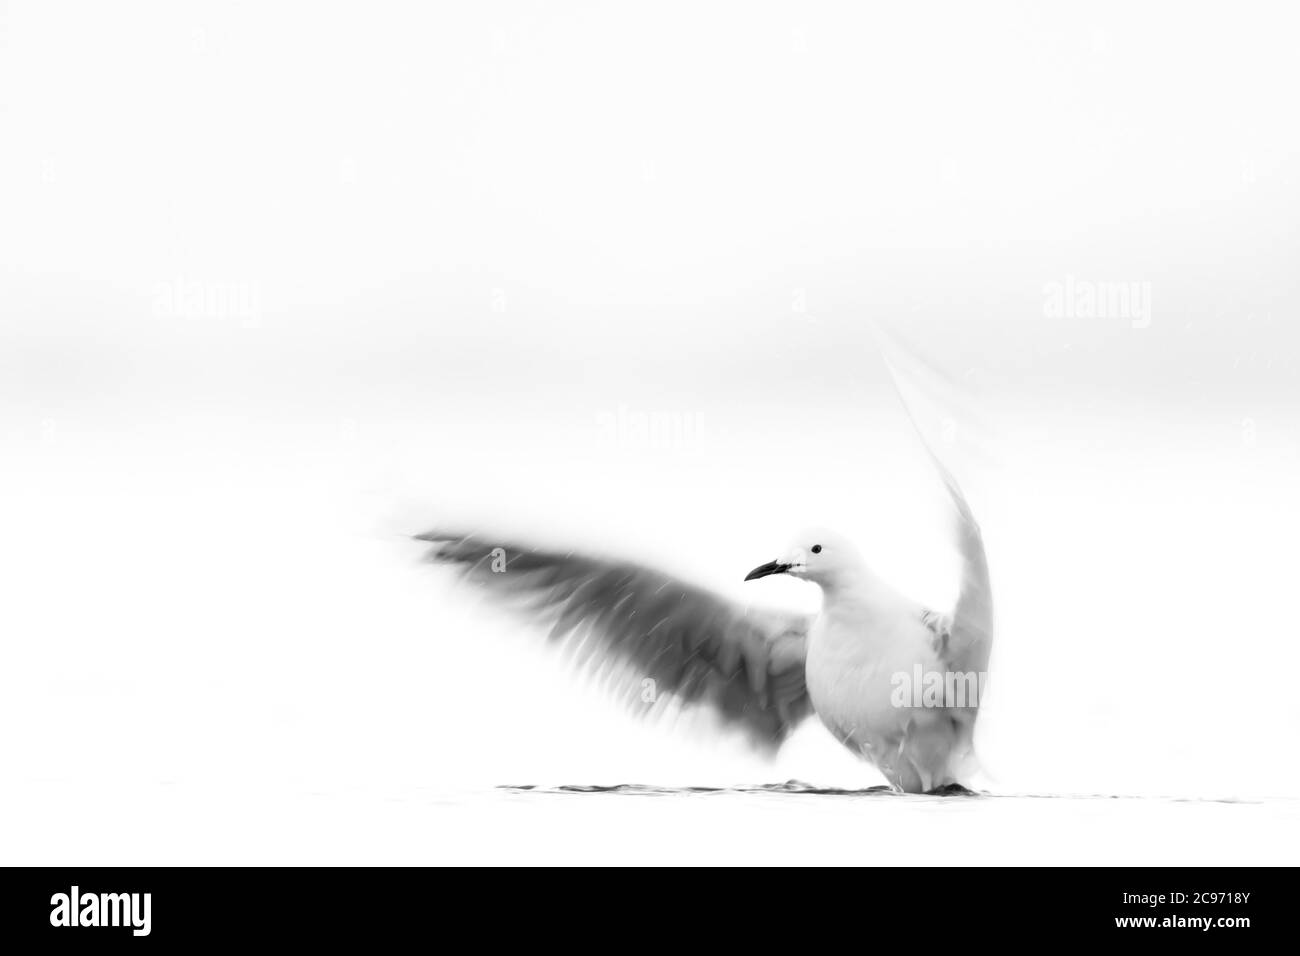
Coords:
816,549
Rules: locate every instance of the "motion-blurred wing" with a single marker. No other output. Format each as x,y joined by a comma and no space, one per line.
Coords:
643,625
967,633
972,618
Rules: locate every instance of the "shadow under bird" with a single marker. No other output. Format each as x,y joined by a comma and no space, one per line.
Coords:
761,670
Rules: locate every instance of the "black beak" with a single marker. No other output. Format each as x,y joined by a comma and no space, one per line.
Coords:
763,570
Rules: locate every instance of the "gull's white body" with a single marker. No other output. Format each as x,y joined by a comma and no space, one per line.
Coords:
864,638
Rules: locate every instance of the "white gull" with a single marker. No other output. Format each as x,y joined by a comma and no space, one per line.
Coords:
856,664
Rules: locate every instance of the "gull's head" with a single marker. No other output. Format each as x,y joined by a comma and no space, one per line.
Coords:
816,555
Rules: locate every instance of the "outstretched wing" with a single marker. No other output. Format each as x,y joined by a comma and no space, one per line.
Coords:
642,625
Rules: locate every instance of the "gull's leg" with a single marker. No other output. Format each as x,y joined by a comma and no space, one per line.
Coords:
931,749
886,762
911,777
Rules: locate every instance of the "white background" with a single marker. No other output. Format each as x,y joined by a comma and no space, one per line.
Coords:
283,283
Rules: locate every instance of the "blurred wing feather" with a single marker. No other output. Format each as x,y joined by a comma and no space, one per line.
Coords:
967,634
631,623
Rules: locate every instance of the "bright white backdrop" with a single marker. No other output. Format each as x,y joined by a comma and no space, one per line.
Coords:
278,286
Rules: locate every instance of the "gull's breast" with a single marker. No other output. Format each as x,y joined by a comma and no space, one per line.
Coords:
852,672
